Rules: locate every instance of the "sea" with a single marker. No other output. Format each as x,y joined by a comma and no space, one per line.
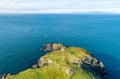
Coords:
22,36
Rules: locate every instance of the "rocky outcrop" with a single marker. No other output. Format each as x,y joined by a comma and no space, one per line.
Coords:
48,48
43,62
3,76
53,47
92,64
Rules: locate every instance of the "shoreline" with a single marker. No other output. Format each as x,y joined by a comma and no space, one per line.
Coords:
60,47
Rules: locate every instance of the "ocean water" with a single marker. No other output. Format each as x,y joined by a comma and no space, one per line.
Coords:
22,35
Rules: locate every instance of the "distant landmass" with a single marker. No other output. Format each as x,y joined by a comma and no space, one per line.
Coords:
94,12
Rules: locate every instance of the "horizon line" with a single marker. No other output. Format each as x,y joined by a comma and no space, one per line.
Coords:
86,12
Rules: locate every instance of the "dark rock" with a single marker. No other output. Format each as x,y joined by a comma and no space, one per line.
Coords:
53,47
90,63
3,76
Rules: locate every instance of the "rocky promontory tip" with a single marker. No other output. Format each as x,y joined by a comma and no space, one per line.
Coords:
52,47
49,47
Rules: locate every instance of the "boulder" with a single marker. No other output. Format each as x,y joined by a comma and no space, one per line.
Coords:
53,47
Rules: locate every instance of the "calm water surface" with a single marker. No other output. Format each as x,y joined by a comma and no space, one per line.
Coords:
21,37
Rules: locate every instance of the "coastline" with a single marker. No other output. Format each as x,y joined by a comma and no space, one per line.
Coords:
88,62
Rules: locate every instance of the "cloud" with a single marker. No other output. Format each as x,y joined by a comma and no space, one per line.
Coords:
58,6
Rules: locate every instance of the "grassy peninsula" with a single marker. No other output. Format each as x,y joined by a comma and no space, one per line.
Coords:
62,62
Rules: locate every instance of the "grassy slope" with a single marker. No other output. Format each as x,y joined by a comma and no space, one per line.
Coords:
63,61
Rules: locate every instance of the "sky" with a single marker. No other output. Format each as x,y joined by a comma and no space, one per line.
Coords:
59,6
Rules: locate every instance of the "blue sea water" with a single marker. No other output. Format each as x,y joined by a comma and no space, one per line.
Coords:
22,35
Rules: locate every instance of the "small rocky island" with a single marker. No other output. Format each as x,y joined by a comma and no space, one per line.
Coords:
61,62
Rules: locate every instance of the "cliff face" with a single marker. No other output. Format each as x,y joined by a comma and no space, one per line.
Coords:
64,63
93,65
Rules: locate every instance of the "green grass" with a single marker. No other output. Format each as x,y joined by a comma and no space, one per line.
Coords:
64,66
43,73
